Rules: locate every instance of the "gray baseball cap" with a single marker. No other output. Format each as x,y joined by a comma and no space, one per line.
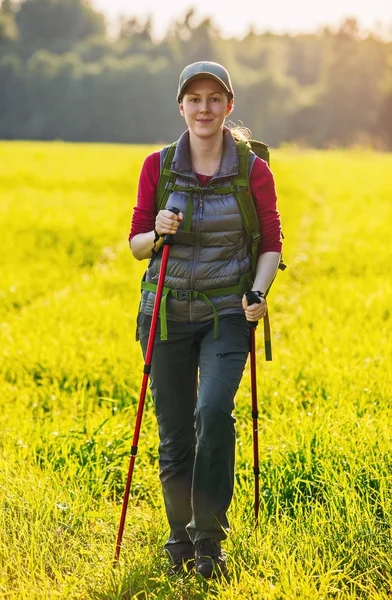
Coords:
204,70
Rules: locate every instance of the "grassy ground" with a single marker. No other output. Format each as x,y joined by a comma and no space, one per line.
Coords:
70,375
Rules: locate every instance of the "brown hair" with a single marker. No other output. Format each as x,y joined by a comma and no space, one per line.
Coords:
238,131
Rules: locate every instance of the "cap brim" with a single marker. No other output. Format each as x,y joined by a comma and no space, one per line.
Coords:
203,75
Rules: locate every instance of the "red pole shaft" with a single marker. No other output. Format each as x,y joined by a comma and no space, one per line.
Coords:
147,368
255,415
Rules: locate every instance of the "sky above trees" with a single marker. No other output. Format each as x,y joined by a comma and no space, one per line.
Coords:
277,15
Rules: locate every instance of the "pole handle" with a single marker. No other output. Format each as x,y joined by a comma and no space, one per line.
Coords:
253,298
169,237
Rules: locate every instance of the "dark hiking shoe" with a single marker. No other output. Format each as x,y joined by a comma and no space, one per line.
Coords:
210,560
182,566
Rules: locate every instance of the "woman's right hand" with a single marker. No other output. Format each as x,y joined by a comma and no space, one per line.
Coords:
167,222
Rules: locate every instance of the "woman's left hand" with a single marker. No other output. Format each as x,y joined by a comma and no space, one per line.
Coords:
254,312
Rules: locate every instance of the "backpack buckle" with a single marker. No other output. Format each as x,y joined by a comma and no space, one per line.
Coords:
183,294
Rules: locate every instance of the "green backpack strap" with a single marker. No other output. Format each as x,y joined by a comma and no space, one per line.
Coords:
262,151
245,200
166,177
249,214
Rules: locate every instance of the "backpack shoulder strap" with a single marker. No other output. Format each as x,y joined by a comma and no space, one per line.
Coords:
261,150
245,200
246,158
166,176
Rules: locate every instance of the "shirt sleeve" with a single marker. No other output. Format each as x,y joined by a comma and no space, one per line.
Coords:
262,186
144,213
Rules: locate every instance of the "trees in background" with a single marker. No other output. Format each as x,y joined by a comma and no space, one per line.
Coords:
55,25
62,76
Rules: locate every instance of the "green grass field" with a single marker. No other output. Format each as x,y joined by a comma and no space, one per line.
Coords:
71,370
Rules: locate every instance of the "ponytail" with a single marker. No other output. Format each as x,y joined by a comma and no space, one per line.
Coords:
238,131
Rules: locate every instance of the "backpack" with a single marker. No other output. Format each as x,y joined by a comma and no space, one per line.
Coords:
241,189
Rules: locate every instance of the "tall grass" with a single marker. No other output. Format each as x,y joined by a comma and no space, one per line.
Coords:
71,370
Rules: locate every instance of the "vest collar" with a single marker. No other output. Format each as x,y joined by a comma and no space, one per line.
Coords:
181,164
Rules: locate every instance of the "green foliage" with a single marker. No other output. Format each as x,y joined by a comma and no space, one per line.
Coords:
56,25
13,86
8,30
268,119
71,370
343,83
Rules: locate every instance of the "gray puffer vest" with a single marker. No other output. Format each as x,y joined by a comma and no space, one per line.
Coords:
215,253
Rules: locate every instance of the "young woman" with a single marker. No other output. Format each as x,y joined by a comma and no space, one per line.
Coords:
196,371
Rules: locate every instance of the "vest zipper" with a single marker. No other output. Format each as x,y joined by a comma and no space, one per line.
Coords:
195,255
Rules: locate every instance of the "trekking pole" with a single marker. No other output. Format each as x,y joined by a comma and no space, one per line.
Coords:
168,241
254,298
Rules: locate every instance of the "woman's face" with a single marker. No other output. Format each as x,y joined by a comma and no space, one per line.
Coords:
205,106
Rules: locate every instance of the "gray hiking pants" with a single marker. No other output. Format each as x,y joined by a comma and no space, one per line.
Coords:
194,379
